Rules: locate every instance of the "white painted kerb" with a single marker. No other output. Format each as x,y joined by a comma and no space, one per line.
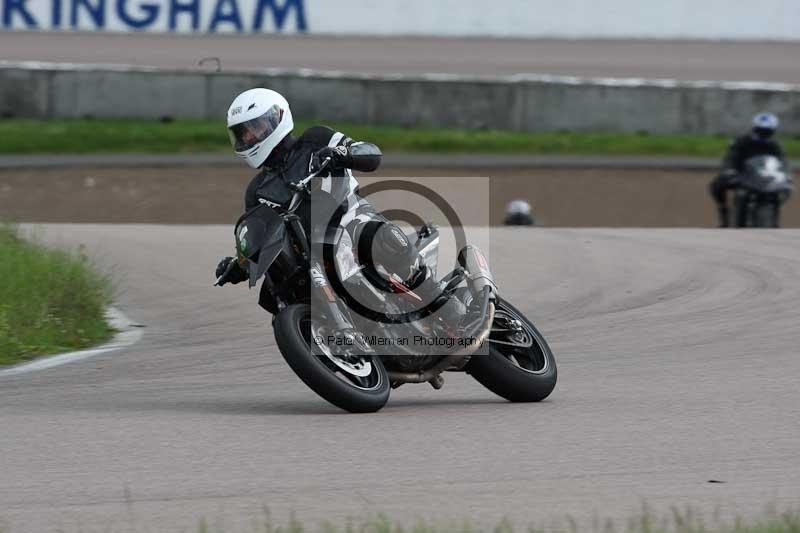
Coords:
127,336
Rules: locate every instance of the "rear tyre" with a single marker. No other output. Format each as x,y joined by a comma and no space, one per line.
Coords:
520,366
357,384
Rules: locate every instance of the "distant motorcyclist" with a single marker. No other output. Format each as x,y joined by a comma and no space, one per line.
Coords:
260,127
518,213
759,141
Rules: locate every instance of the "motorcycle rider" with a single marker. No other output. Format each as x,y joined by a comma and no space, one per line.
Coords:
260,127
518,213
759,141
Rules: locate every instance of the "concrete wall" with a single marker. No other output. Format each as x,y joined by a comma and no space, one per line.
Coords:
527,103
673,19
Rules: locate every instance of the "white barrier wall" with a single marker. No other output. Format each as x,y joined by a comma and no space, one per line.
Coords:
646,19
520,103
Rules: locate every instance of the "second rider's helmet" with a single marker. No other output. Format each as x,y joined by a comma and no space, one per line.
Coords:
765,125
258,120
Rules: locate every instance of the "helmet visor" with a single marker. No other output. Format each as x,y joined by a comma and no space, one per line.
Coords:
763,133
248,134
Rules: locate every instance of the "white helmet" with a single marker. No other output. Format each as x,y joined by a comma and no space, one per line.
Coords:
518,207
765,125
258,120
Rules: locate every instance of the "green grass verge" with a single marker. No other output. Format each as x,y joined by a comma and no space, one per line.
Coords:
192,136
679,521
50,301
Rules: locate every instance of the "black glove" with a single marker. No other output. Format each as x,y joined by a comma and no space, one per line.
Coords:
338,157
230,271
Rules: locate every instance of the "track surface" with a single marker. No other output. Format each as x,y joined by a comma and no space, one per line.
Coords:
677,352
772,62
212,195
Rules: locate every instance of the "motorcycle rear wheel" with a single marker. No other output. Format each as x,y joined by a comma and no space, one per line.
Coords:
519,369
355,385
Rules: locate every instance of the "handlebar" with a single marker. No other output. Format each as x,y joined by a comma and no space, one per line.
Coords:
302,184
224,274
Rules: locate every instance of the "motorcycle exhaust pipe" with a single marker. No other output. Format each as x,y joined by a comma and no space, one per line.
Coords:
479,276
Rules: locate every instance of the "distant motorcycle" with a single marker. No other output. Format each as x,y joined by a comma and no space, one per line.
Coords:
341,354
761,190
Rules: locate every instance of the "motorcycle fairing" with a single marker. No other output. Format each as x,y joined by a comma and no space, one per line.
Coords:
260,235
766,174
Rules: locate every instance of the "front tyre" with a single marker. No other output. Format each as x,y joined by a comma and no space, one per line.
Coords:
355,384
742,210
766,215
520,366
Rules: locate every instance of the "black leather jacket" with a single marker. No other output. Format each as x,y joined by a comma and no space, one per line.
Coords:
290,162
747,146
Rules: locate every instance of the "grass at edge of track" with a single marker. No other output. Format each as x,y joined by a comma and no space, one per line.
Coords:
50,301
21,136
679,521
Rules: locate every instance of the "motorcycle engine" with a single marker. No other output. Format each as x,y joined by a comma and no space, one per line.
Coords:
409,363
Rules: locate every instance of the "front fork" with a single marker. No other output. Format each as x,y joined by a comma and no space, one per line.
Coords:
325,295
321,290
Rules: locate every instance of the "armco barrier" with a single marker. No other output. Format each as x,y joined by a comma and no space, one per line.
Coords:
526,103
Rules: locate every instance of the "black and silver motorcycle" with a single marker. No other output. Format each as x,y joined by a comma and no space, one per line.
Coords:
352,331
761,191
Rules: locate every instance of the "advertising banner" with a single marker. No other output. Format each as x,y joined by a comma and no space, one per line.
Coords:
570,19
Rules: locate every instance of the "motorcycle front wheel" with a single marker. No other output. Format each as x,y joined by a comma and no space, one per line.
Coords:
765,215
519,365
354,383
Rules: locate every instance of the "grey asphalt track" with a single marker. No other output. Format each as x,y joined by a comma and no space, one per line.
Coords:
677,354
682,60
390,160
